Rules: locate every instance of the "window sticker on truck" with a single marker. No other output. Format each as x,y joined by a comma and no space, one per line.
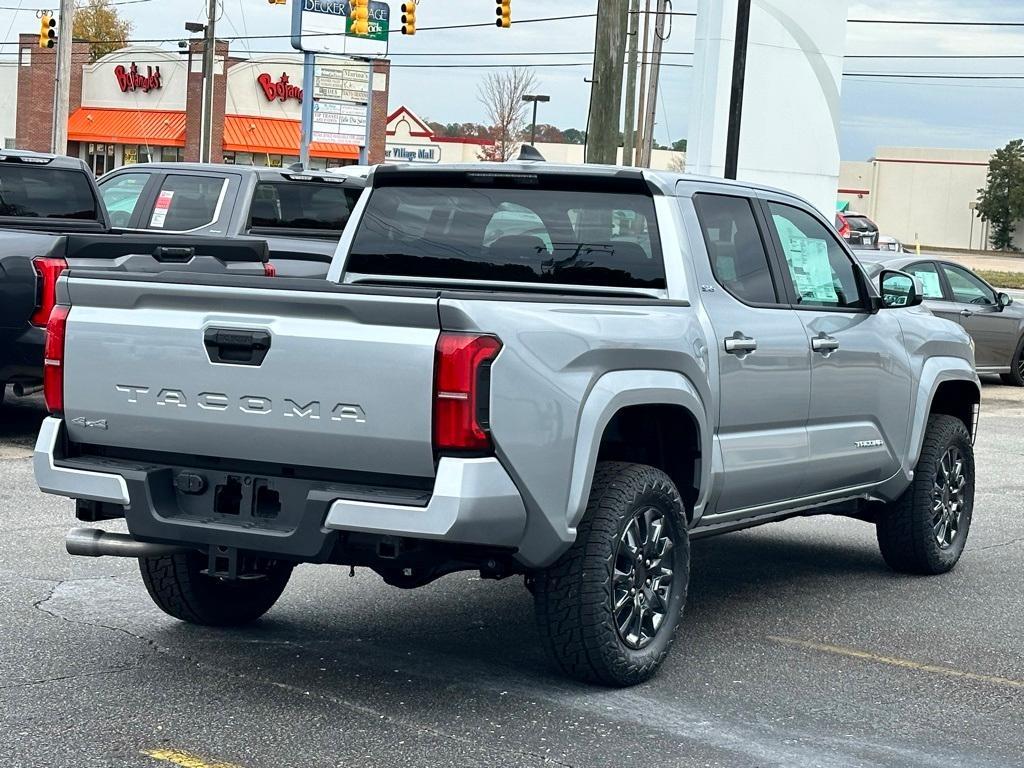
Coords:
163,205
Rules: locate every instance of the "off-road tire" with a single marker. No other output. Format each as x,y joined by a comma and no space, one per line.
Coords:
1015,378
573,598
180,589
906,535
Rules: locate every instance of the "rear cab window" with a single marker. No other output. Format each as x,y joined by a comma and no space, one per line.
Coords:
511,227
316,207
40,192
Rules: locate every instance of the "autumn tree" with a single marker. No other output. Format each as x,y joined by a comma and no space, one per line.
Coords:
1001,202
501,94
98,22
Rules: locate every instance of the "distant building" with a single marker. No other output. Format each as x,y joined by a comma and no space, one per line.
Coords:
411,140
142,103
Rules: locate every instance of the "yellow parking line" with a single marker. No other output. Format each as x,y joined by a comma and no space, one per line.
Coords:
184,759
934,669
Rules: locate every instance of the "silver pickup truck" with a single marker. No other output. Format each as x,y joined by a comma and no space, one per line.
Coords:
564,373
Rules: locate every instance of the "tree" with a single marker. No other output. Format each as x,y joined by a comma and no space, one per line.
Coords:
99,22
1001,202
501,94
679,146
574,136
546,134
677,164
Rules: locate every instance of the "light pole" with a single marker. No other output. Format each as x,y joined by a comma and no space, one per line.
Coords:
534,99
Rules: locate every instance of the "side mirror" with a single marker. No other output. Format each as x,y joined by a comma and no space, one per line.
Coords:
1004,300
899,290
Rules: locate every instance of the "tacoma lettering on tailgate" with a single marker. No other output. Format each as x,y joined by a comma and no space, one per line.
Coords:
256,405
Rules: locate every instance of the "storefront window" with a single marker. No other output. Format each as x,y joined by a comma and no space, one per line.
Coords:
100,158
138,153
170,154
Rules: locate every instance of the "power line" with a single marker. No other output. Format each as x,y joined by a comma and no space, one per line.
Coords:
938,23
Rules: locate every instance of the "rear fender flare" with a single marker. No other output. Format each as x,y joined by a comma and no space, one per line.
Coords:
610,394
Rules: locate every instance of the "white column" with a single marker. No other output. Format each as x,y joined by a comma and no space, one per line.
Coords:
791,104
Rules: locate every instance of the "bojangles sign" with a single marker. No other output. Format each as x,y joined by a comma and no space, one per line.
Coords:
282,89
132,80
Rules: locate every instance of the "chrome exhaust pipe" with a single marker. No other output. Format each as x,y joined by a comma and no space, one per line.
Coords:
92,542
24,390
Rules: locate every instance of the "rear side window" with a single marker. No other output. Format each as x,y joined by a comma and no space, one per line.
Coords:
301,205
45,193
187,202
735,247
527,235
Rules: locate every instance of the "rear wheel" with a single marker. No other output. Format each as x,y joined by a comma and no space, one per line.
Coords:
609,607
925,531
180,589
1015,378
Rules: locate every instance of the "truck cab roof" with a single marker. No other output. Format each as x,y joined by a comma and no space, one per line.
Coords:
42,158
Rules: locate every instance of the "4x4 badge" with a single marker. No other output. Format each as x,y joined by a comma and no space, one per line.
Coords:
81,421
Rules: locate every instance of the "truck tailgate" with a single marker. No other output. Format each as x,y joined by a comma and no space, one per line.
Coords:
309,376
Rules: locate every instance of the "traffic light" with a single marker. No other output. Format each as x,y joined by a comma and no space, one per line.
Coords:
47,31
278,2
409,18
504,10
360,17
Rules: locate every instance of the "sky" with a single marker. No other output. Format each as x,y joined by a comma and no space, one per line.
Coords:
875,111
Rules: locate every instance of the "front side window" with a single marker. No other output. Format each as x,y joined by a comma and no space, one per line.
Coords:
823,275
735,247
121,194
929,277
187,202
967,289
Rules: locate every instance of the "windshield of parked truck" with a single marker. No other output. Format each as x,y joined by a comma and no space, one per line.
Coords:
524,234
36,191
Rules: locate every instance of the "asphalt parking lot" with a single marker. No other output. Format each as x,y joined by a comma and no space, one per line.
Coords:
799,649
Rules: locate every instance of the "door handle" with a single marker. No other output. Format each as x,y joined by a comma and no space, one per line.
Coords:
826,345
740,345
966,313
236,347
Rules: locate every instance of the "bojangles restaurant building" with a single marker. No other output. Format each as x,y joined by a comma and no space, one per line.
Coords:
142,104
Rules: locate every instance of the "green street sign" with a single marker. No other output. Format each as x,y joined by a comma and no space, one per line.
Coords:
380,18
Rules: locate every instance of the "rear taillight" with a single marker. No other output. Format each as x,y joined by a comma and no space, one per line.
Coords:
842,225
53,359
462,391
269,269
47,272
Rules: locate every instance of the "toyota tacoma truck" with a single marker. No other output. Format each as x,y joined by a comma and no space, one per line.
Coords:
52,216
563,373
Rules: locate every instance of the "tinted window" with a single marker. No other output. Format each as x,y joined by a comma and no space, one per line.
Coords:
735,247
860,223
529,235
187,202
967,289
302,205
45,193
823,275
121,194
929,277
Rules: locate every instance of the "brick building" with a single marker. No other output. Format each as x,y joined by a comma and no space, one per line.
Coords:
143,104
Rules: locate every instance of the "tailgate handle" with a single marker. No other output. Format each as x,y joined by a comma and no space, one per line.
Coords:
236,347
173,255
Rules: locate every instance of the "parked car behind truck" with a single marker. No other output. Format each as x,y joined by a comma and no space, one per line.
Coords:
300,214
655,358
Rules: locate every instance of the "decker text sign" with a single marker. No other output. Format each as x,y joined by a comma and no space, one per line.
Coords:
322,26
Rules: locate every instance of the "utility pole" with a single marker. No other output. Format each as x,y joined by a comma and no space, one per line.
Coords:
652,89
209,59
739,74
606,88
639,138
630,120
62,78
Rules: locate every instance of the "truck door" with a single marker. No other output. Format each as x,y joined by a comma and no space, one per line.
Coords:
860,369
764,360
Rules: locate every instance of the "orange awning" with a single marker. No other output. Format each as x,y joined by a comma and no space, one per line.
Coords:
274,136
127,126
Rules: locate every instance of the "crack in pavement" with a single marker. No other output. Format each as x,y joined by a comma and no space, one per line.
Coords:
1009,543
61,678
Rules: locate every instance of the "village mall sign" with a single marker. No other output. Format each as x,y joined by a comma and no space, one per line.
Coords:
132,80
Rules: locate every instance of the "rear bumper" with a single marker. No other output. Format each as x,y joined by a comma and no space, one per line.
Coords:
474,502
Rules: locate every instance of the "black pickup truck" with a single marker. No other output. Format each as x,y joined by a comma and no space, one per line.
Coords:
52,218
300,213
